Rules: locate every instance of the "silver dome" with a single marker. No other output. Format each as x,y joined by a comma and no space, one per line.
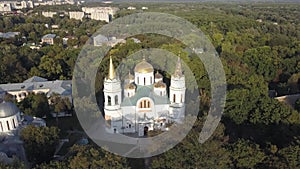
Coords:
8,109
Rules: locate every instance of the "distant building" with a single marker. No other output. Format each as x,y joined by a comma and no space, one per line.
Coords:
107,2
259,20
7,6
56,2
49,14
288,99
144,8
101,40
110,10
54,26
48,39
131,8
35,121
38,85
76,15
100,16
8,35
100,13
135,40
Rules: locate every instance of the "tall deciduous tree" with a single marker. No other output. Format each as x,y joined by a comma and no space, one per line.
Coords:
40,143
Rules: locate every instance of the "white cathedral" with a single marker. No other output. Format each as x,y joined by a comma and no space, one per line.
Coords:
142,103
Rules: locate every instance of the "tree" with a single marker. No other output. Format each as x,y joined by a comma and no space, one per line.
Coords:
191,154
297,105
291,155
245,154
40,143
35,104
92,157
60,104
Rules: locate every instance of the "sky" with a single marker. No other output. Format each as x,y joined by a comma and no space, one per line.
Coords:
199,0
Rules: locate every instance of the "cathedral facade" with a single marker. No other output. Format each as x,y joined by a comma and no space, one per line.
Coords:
143,102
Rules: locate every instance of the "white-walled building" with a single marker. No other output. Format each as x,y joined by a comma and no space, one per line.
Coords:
9,117
101,40
49,14
7,6
110,10
100,13
38,85
76,15
131,8
48,39
100,16
142,103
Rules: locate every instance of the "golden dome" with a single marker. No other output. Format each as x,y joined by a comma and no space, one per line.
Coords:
130,86
158,76
129,76
160,84
143,67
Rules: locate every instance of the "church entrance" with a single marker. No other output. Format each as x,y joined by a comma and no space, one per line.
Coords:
146,130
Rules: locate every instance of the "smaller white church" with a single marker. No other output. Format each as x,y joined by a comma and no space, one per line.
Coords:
143,102
9,117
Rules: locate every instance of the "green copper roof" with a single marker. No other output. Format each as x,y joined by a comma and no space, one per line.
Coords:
145,91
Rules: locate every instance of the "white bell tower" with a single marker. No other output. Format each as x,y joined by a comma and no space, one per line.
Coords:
177,87
112,97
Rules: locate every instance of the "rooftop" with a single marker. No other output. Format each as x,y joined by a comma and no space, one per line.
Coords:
49,36
145,91
8,109
62,87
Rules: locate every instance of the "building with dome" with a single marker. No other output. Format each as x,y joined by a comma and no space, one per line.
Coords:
9,117
143,102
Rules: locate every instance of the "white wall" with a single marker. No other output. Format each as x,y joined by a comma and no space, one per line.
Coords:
13,122
139,78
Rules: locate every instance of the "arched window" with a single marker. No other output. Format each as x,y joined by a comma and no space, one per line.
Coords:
144,81
116,99
151,79
161,93
13,120
7,125
174,98
108,100
141,105
1,126
181,99
144,104
128,94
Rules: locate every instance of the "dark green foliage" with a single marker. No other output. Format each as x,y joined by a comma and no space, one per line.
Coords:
35,105
40,143
82,157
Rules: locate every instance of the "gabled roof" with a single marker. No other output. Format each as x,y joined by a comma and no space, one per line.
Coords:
61,87
35,79
49,36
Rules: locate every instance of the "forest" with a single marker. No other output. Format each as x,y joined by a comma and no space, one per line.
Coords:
258,44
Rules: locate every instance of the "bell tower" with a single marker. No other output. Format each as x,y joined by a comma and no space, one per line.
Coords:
177,87
112,96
